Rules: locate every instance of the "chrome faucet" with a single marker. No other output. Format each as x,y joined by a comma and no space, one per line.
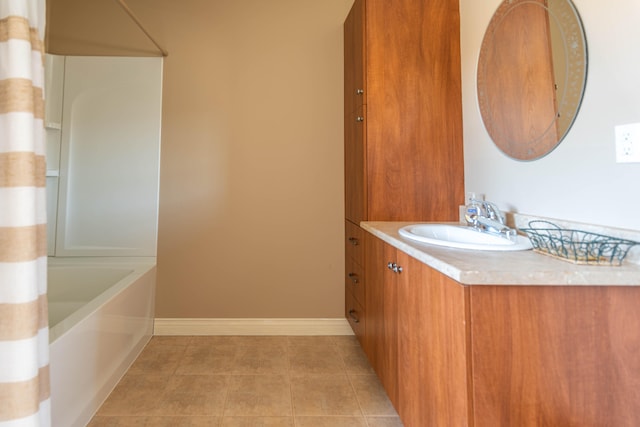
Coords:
489,219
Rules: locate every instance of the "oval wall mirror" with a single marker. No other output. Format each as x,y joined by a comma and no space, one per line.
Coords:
532,71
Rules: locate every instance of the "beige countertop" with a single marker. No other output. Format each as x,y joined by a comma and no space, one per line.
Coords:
472,267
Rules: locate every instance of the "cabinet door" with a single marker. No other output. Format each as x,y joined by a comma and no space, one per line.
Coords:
380,296
354,166
416,337
354,58
432,374
415,164
556,355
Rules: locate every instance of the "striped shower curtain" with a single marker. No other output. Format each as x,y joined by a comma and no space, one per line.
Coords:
24,340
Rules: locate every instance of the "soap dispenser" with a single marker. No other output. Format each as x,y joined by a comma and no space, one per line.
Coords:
473,209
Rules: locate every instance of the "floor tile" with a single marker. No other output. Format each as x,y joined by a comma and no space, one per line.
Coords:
257,422
319,341
197,421
205,358
355,361
346,340
254,359
135,395
315,359
158,359
262,341
323,395
193,395
102,421
258,395
384,422
155,422
371,395
330,422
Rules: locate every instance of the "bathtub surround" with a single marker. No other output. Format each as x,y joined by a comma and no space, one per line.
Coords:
24,342
103,154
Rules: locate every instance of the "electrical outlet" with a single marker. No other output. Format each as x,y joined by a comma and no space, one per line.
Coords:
628,143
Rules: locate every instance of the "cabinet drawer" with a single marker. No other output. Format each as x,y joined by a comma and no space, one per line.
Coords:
355,315
354,280
354,242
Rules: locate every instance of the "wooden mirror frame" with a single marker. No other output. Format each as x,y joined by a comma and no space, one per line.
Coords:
532,72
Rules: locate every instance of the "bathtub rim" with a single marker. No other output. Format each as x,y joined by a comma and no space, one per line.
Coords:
139,266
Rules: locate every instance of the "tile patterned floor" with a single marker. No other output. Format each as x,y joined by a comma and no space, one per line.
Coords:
266,381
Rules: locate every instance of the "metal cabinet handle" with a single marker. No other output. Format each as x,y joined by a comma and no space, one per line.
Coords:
359,91
353,277
353,316
359,119
394,267
354,241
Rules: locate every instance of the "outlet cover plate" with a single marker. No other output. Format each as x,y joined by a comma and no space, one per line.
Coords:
628,143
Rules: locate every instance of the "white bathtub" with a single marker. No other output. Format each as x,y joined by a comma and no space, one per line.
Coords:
100,317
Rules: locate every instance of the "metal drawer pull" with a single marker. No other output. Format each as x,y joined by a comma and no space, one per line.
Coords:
359,91
353,277
359,119
353,316
354,241
395,267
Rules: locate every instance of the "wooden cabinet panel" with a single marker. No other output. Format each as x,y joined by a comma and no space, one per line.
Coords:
416,337
355,316
354,243
414,160
381,328
374,300
555,356
355,280
355,191
404,161
354,81
432,347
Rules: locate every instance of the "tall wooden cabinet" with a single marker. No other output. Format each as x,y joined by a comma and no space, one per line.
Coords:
403,111
403,120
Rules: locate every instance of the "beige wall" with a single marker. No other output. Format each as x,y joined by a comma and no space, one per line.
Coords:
251,191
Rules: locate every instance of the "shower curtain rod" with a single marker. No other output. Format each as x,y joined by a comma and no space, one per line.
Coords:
139,24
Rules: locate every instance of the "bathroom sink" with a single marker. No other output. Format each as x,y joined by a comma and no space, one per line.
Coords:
462,237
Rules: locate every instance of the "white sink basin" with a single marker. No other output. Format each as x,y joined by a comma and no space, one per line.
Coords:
462,237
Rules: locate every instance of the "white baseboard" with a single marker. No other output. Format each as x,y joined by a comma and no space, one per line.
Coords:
188,326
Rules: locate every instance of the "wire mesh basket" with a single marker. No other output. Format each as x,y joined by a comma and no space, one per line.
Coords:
579,247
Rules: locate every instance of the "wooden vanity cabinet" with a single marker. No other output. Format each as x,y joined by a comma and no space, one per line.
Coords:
555,355
416,337
500,356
